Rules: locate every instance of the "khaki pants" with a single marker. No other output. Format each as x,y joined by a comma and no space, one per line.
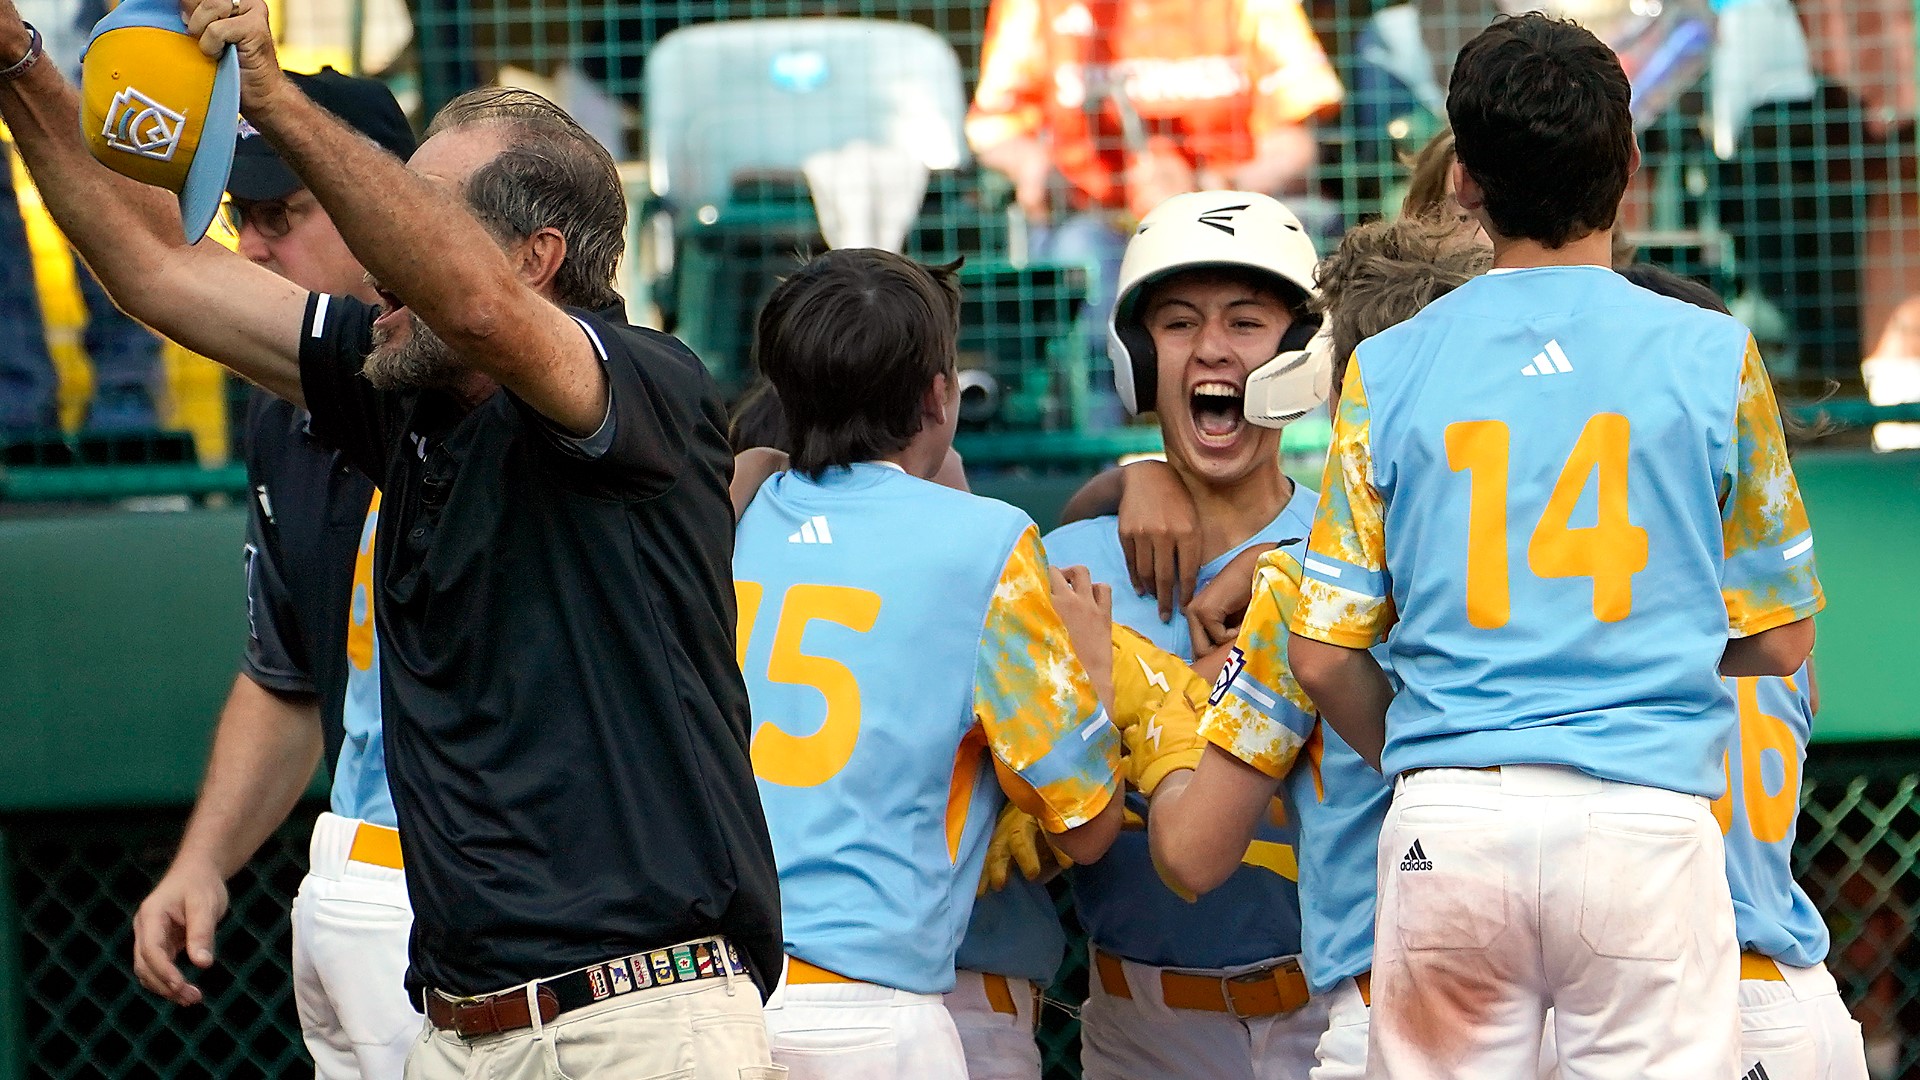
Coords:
710,1030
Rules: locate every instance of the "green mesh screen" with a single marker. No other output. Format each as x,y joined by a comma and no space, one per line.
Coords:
1801,209
77,882
1779,168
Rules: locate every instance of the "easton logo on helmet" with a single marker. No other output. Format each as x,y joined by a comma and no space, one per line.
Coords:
1222,218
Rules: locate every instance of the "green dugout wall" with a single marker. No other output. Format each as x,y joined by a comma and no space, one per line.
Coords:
118,637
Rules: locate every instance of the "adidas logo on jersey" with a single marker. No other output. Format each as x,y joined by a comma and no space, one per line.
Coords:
1416,859
1551,360
1758,1072
814,531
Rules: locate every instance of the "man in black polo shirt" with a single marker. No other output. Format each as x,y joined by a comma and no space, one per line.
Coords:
310,678
566,727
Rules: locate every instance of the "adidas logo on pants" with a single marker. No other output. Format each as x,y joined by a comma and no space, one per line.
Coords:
1416,859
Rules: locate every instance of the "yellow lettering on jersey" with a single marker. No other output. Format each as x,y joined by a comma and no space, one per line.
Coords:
1723,806
1479,447
1267,855
1613,549
810,760
746,598
360,609
1770,817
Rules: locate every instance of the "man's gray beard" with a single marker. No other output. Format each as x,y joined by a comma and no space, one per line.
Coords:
422,362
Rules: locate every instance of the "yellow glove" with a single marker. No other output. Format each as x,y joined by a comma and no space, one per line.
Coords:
1158,699
1018,840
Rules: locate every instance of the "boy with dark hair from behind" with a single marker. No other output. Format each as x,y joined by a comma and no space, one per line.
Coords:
1560,724
911,663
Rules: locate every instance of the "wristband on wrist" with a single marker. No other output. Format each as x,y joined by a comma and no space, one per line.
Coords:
35,50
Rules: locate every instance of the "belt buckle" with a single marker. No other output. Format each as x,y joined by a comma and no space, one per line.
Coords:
1254,978
457,1007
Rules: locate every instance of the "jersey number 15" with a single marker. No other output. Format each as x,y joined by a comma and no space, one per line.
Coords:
780,757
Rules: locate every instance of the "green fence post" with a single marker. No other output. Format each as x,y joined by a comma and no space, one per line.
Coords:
13,995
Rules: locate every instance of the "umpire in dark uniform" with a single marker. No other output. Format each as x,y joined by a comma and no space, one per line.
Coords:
593,888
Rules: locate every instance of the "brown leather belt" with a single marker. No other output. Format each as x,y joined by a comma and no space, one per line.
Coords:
507,1010
1270,991
471,1018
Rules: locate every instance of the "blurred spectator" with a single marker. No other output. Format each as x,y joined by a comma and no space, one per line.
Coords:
1103,109
27,382
125,356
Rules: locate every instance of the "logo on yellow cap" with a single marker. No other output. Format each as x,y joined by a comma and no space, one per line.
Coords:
137,124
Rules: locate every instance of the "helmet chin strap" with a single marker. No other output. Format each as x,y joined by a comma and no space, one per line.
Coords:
1290,385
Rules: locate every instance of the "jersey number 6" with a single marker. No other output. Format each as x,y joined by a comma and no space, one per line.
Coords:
1610,551
807,760
1770,815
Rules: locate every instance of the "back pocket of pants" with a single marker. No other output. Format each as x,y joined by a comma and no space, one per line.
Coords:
1449,876
1638,899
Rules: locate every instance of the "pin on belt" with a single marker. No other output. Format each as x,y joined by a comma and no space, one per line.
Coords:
471,1017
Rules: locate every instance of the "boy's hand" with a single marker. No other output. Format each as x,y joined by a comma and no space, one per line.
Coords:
1160,534
1087,610
1214,616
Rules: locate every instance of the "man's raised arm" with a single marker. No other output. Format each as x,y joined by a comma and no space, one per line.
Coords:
206,298
413,231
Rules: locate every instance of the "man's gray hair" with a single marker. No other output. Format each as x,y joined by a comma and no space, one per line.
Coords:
551,174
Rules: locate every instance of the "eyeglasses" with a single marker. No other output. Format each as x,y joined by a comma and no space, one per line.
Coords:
273,218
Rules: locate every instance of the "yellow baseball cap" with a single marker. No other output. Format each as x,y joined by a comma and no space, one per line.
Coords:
154,108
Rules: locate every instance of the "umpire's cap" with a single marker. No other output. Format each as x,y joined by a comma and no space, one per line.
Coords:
366,105
154,108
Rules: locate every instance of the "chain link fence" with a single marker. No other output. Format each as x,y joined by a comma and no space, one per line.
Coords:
78,880
1780,167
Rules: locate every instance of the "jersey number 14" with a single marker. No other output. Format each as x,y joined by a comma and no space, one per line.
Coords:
1610,551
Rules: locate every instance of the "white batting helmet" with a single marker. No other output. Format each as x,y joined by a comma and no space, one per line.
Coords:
1212,229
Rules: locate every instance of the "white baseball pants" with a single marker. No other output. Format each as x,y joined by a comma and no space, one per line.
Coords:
1504,892
998,1044
1142,1038
859,1031
1799,1029
350,925
1342,1054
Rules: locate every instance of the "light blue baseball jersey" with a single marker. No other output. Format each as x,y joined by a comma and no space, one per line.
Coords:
1258,714
1015,932
1342,802
360,774
1759,813
1570,492
1124,906
901,651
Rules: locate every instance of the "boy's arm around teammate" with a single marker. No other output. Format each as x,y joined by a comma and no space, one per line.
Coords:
1248,733
1042,691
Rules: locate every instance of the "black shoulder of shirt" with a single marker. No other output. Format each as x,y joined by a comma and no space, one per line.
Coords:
663,411
664,408
348,413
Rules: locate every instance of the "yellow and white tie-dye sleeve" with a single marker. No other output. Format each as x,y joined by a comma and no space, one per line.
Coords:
1768,578
1054,750
1345,598
1257,712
